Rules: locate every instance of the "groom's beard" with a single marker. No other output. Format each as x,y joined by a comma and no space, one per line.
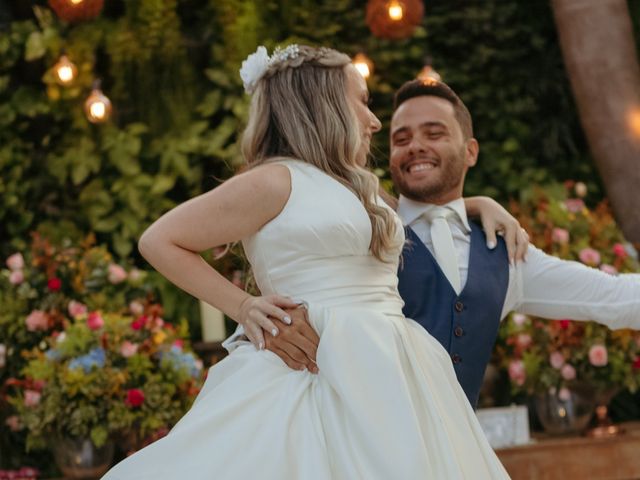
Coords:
446,177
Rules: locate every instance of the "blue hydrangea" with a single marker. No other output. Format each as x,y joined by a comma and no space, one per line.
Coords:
53,355
95,358
182,360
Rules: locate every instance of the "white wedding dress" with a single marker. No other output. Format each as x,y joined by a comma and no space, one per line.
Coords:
386,404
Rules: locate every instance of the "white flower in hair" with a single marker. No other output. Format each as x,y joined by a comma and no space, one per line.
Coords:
253,68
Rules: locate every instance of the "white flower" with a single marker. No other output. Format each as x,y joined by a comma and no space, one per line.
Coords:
3,355
253,68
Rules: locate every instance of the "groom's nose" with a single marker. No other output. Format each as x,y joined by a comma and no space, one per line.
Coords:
416,145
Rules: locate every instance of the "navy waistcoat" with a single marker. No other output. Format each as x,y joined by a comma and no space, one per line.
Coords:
466,324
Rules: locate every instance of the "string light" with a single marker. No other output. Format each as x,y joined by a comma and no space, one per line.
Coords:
396,11
429,74
77,2
363,64
65,71
97,106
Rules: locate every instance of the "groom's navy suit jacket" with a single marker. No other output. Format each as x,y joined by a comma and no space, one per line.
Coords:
466,324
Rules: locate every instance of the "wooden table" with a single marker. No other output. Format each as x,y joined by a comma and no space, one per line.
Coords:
580,458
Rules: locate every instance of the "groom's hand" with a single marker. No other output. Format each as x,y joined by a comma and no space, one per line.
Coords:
296,344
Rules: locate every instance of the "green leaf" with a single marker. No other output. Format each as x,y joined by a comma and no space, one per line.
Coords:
35,48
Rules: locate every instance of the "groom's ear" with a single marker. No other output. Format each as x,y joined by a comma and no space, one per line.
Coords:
472,149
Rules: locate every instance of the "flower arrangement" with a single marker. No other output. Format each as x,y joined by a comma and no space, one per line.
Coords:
84,350
542,355
105,375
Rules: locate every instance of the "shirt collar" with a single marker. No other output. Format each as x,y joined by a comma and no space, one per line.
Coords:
410,210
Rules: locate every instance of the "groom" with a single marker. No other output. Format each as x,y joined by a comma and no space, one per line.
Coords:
452,285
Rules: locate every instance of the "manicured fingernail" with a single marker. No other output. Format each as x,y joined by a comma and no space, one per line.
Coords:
261,346
274,332
511,262
287,320
491,245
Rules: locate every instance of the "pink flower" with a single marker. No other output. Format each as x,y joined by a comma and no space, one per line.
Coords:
178,343
568,372
556,359
135,397
581,189
31,398
574,205
135,275
128,349
37,320
589,256
560,235
16,277
523,340
136,307
519,319
620,251
54,284
95,321
76,309
117,274
564,394
517,372
13,422
610,269
15,262
598,355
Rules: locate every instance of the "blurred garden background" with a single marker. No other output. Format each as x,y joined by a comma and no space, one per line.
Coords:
79,184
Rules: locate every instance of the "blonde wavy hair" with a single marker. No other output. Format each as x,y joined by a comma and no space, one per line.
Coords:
299,110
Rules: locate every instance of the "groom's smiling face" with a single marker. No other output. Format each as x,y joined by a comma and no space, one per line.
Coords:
429,154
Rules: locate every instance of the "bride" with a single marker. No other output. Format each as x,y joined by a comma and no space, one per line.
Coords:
386,403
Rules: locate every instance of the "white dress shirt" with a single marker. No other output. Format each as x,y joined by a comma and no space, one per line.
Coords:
544,285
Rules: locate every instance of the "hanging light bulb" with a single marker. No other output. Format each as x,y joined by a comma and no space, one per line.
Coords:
634,121
429,74
65,71
97,106
396,11
363,64
76,2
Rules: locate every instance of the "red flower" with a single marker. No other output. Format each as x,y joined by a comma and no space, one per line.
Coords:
620,251
564,324
54,284
135,397
139,322
636,363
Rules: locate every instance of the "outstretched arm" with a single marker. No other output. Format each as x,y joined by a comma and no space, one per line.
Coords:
549,287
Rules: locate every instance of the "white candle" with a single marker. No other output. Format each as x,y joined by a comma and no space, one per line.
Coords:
212,321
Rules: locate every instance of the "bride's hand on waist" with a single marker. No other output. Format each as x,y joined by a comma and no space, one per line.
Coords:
297,343
258,315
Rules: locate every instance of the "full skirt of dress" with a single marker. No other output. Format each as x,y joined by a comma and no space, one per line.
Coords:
386,405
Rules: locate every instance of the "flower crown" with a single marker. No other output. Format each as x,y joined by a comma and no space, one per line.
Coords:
257,64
